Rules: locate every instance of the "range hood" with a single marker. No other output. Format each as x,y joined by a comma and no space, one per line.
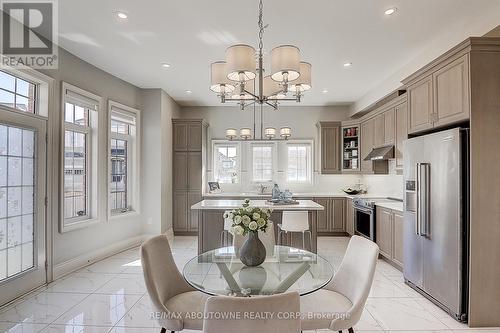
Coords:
381,153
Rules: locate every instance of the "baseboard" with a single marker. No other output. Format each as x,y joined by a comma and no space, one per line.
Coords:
74,264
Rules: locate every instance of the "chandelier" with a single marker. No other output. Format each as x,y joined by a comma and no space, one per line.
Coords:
242,80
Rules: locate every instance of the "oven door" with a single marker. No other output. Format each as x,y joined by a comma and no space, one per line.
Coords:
364,222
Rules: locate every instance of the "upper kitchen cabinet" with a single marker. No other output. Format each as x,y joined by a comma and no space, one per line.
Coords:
420,115
350,148
330,147
187,135
367,130
401,112
390,127
439,94
378,130
451,92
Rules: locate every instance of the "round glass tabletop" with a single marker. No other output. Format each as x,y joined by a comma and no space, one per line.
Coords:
220,272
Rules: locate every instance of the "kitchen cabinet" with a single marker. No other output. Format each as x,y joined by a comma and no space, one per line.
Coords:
451,92
397,250
180,212
187,135
378,130
349,216
331,220
389,234
323,216
420,105
401,112
366,145
384,231
440,96
390,127
330,147
187,173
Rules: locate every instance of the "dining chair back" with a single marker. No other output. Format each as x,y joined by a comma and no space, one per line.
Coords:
354,278
293,221
165,283
277,314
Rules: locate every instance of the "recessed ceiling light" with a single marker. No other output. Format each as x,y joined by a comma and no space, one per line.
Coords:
121,15
390,11
165,65
348,64
324,91
188,91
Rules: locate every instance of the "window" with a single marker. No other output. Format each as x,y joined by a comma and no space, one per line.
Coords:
17,93
299,163
79,156
262,163
123,158
226,163
76,161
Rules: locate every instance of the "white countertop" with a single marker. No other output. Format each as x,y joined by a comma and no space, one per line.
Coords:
295,195
392,204
233,204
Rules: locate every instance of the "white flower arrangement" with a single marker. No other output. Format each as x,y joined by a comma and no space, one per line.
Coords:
248,219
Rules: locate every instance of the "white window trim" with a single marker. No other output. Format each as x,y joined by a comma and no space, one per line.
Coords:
215,144
310,176
44,86
92,150
274,167
136,158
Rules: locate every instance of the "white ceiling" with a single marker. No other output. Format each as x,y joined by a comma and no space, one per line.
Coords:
190,34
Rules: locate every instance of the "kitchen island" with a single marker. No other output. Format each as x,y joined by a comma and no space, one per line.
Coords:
211,221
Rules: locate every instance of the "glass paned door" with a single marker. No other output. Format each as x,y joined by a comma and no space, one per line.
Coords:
22,207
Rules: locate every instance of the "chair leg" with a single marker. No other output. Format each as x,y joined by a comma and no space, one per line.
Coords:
303,240
310,239
351,330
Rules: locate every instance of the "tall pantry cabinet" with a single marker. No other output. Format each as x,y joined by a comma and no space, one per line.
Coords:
189,155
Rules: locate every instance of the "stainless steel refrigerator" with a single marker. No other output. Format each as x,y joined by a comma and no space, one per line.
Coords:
436,218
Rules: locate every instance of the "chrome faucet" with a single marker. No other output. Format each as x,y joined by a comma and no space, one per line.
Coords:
262,188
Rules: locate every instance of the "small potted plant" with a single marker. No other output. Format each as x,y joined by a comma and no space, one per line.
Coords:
248,220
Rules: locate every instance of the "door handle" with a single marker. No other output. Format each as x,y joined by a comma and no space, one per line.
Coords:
417,211
423,198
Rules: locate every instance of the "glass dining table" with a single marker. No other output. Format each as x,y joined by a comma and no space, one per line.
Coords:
220,272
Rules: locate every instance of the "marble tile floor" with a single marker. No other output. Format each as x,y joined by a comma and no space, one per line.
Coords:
110,296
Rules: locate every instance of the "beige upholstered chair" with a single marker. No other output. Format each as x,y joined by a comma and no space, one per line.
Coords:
169,292
342,301
277,305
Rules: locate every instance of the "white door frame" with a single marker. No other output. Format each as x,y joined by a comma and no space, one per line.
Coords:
35,277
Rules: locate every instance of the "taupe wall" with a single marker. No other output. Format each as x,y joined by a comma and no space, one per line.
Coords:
156,191
83,75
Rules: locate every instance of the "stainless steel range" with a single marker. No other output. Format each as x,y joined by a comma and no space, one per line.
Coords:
364,217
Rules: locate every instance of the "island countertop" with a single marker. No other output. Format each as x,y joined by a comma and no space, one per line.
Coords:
303,205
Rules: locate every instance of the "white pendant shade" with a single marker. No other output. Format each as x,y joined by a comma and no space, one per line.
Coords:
249,86
219,82
303,83
231,133
272,89
246,133
285,63
240,62
270,132
285,132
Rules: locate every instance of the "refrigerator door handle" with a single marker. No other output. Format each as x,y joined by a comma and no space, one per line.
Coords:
417,211
423,198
